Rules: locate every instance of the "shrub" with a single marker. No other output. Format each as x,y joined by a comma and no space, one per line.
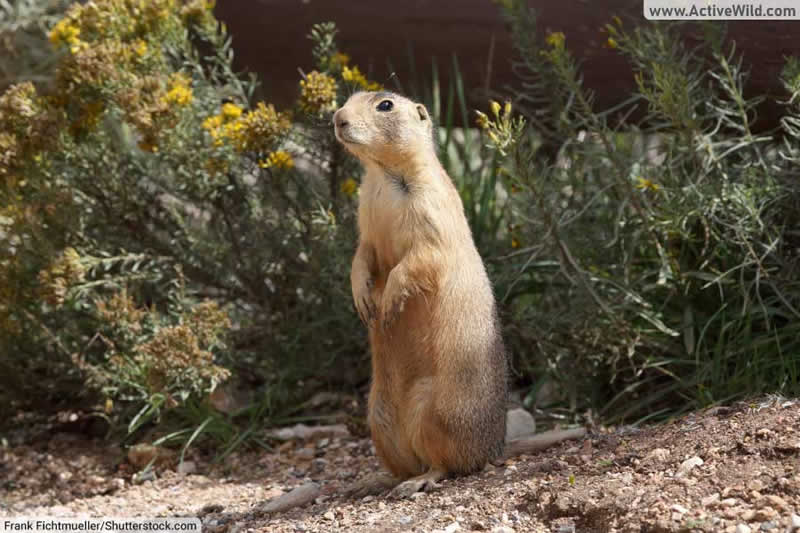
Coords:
657,261
162,229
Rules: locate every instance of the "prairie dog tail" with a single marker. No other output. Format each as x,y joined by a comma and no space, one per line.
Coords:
537,443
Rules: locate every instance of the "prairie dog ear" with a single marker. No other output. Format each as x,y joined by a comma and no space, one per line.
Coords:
423,113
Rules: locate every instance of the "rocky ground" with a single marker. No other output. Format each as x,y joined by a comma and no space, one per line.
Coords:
731,469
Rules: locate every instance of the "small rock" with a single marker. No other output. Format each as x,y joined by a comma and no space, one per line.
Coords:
768,526
453,526
404,520
766,513
743,528
381,506
345,474
329,516
709,500
680,508
304,453
794,522
732,513
777,501
519,423
728,502
688,465
658,455
210,508
140,477
503,529
187,467
318,465
368,498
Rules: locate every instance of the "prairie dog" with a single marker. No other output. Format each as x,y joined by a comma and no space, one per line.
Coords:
437,401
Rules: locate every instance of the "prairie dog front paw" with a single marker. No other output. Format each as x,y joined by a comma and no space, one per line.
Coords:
364,304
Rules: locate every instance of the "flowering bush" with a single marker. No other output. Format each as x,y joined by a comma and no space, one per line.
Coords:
158,226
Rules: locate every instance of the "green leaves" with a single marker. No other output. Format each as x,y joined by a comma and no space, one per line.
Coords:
676,285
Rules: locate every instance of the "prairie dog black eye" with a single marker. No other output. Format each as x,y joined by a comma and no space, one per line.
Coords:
385,105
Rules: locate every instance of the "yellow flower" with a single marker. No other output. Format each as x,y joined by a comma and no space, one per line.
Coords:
514,242
140,47
232,130
355,76
213,122
482,121
644,183
317,93
65,32
617,20
349,186
612,43
254,131
179,93
556,39
261,128
78,47
278,159
231,111
495,107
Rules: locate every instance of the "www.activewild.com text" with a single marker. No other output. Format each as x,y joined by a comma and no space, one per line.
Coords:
714,11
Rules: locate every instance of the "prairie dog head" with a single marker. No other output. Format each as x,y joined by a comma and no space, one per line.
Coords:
384,127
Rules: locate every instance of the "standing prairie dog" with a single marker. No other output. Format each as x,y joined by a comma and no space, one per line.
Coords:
438,397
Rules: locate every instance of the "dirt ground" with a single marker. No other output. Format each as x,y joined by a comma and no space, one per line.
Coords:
731,469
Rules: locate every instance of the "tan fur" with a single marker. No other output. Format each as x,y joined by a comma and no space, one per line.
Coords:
438,396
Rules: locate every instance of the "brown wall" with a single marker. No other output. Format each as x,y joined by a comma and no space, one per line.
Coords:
270,38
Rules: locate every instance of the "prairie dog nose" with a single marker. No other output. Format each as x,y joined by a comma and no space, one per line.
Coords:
339,120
